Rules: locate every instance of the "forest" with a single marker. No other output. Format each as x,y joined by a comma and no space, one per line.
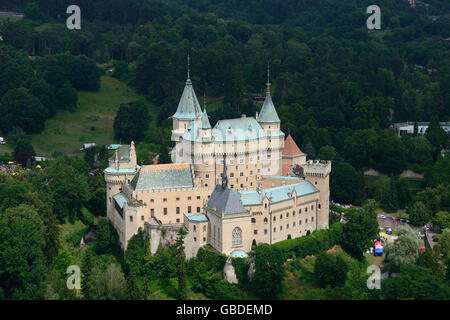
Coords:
337,88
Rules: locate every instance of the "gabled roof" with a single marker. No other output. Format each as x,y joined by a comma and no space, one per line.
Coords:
290,148
188,107
277,194
268,112
226,201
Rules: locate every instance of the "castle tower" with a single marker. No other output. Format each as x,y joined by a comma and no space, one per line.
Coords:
274,143
317,172
122,169
188,110
292,155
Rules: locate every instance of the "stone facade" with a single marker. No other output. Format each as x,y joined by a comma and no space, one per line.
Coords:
237,182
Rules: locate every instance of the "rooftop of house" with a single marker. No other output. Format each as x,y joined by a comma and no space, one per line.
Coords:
163,176
291,150
277,194
196,217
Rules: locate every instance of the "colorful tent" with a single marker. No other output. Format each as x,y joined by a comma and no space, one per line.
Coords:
378,248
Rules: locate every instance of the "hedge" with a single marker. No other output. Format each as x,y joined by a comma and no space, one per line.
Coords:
312,244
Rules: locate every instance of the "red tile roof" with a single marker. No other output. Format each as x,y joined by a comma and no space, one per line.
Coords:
291,148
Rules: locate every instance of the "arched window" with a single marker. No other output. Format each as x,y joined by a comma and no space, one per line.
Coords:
253,220
265,220
237,236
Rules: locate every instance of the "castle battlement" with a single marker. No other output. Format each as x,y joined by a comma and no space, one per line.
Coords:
317,168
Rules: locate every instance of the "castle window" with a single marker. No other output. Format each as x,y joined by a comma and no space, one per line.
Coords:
198,197
281,228
232,186
265,231
287,226
306,209
152,200
293,213
299,211
241,174
152,212
178,199
178,220
231,175
242,185
299,222
195,228
312,207
251,172
287,215
198,209
253,220
165,211
195,239
265,220
207,176
255,231
236,236
206,184
204,239
131,218
265,205
306,220
319,206
274,218
178,210
274,230
189,198
189,209
165,200
312,219
293,224
204,228
315,182
281,217
142,218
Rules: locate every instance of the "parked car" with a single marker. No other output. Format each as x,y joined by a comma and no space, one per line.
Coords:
408,222
2,141
396,219
402,220
382,216
390,218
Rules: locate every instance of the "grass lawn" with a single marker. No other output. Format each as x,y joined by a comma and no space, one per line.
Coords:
5,148
91,122
11,18
374,260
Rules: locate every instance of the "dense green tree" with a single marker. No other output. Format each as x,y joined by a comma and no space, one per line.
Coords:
22,260
430,260
106,238
346,184
441,220
33,12
359,231
330,270
131,121
21,109
67,98
404,249
436,135
414,282
269,271
180,258
137,251
419,214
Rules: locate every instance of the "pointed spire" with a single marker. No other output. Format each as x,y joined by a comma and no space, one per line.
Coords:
188,67
224,174
268,112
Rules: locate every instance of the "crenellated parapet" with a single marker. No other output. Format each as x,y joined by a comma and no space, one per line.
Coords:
317,168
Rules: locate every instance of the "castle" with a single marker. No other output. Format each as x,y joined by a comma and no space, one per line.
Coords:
228,185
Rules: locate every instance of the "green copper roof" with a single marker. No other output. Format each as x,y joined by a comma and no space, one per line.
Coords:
268,112
196,217
277,194
121,199
120,171
205,120
188,107
164,179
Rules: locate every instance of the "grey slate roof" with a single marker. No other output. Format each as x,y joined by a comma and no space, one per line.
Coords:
188,107
226,201
268,112
164,179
